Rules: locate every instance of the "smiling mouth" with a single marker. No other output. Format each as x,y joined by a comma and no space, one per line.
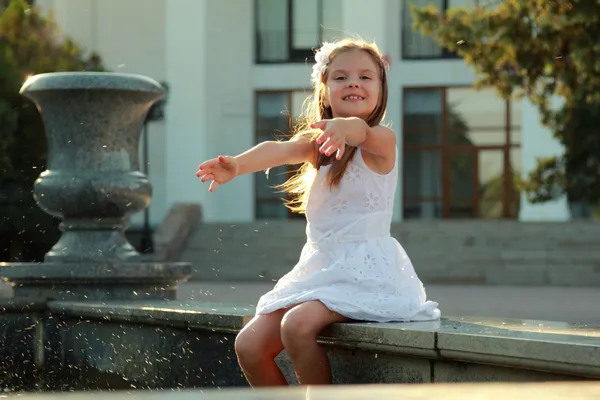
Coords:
353,98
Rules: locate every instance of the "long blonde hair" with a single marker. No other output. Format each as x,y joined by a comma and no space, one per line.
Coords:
298,186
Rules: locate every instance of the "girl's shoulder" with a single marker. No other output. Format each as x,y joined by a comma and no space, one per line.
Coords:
365,160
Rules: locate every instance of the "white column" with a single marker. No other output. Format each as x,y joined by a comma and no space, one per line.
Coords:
210,108
230,102
368,22
46,6
537,141
186,135
74,19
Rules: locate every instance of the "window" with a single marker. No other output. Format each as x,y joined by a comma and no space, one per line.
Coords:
275,113
289,30
417,46
461,154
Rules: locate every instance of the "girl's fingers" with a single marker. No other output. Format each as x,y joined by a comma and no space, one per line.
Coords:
324,139
213,186
328,143
207,177
330,147
327,134
202,172
208,164
320,124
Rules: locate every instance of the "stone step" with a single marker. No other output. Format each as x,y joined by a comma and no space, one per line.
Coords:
494,252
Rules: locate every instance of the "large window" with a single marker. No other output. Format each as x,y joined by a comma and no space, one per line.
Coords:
417,46
461,154
289,30
275,114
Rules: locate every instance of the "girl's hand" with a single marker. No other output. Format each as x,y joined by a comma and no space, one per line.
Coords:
219,170
333,138
338,132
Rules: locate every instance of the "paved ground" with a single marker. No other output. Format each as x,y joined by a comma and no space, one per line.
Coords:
568,304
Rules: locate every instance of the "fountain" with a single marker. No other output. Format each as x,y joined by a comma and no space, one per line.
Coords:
93,123
62,332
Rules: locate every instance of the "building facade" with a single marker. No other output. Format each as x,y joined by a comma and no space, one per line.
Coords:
238,71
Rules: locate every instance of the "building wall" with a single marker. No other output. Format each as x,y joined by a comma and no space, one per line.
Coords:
205,52
211,109
130,37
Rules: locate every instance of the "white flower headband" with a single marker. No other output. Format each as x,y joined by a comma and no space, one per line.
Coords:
321,61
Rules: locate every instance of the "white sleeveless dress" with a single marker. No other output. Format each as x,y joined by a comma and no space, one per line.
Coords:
350,262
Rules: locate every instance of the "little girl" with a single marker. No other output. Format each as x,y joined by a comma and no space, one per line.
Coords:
350,269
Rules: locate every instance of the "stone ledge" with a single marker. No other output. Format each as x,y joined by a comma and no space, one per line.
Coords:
194,315
552,347
538,345
526,391
10,305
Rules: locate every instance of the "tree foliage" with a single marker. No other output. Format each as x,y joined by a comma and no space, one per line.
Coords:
542,50
30,43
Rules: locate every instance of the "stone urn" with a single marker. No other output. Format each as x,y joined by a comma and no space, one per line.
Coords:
93,123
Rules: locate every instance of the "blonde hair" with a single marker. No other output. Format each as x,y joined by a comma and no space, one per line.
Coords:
298,186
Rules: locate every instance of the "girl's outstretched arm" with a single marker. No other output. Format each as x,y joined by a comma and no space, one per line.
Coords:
261,157
272,154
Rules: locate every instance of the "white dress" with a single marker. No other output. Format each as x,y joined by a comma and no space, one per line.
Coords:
350,262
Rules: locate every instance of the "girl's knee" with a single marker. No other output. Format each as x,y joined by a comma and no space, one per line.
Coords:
249,345
297,331
243,345
301,325
257,344
249,351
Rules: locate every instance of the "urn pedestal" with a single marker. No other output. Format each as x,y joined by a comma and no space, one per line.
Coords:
93,123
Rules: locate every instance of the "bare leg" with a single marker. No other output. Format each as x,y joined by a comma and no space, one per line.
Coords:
257,345
299,329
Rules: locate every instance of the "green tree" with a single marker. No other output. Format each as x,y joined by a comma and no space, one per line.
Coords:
542,50
30,43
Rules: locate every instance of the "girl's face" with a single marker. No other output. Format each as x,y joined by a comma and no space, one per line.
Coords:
353,86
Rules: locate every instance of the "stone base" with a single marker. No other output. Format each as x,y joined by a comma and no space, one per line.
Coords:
95,281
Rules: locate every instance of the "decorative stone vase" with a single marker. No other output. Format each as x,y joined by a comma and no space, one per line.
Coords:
93,123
